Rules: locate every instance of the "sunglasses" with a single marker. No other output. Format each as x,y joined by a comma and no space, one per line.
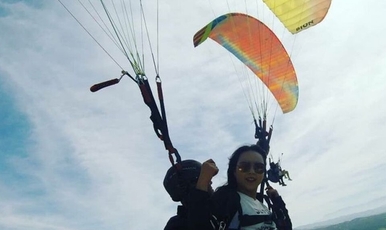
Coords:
245,167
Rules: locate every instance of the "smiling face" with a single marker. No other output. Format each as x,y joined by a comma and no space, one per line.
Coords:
246,176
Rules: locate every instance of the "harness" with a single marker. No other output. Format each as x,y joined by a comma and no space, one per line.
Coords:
158,117
238,218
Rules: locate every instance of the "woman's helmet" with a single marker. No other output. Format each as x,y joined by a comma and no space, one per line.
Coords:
178,182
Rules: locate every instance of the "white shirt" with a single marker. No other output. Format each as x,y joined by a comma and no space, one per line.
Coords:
253,207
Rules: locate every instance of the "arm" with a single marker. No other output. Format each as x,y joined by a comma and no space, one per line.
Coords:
200,204
279,211
199,210
208,171
280,214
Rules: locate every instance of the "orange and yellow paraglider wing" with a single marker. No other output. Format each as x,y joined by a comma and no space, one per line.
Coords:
257,47
299,15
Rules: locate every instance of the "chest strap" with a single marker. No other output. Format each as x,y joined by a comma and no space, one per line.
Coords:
248,220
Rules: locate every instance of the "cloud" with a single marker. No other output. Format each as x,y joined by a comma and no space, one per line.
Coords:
92,160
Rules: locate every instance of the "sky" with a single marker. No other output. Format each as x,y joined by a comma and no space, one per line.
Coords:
75,160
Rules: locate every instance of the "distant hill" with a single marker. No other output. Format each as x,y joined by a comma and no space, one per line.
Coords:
344,219
375,222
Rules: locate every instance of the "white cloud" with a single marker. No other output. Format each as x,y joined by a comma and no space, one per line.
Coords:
95,163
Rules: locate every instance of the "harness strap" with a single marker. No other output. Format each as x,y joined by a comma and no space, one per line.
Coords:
247,220
158,118
241,220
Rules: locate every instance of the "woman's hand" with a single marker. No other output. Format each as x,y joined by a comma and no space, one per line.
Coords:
271,192
208,171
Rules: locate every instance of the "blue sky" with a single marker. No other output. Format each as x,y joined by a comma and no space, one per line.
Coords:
14,138
72,159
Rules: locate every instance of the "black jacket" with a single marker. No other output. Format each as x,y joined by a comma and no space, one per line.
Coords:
207,212
179,221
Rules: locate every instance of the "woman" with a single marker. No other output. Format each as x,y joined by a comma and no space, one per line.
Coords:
236,205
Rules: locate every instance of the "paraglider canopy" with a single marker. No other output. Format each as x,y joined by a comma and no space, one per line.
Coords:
297,15
254,44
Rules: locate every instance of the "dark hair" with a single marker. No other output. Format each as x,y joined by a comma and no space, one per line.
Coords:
234,158
178,182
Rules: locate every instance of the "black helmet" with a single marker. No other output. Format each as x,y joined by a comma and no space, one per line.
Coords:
178,182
